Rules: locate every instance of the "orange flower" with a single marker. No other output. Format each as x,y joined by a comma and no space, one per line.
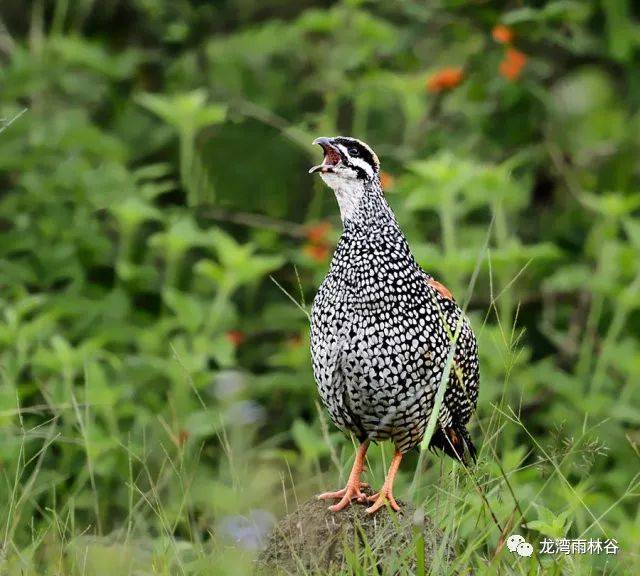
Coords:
513,64
445,79
317,252
502,34
318,232
235,337
387,180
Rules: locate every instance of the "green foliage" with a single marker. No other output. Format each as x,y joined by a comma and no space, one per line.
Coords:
549,524
159,248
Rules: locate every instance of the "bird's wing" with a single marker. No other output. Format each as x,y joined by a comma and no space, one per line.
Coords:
461,397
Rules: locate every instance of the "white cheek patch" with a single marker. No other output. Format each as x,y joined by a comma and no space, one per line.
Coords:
362,164
359,162
342,149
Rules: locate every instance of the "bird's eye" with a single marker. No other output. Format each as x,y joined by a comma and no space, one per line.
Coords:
353,151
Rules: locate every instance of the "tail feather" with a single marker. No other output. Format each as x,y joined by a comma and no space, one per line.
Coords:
455,442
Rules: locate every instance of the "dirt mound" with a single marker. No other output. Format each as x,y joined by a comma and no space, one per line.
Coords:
314,540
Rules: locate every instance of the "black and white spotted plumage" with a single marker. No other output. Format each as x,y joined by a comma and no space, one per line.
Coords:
380,333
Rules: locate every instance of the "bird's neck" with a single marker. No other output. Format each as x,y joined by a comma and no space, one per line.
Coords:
365,207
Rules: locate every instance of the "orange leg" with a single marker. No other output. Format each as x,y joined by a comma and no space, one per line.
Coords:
386,492
354,487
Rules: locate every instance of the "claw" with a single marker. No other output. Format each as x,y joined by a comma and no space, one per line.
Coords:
356,492
348,496
353,489
386,492
379,500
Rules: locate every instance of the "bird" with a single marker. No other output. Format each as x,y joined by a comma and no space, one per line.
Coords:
381,331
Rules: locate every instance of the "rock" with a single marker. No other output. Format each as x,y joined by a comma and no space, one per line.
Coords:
314,540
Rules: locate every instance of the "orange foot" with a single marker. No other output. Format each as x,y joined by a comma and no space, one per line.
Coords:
350,492
353,489
386,492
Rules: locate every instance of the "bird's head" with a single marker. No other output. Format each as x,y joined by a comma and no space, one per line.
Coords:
346,159
349,167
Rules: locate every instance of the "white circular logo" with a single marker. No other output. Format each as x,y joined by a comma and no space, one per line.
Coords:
513,541
524,549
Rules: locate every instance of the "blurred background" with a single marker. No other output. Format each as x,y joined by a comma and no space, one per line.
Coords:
161,243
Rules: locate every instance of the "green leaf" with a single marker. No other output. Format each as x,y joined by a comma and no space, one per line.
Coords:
309,442
187,112
203,423
189,310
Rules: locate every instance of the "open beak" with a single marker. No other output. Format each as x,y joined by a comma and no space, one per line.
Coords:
331,156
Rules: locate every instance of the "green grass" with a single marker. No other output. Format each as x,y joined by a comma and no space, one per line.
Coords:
161,243
477,507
